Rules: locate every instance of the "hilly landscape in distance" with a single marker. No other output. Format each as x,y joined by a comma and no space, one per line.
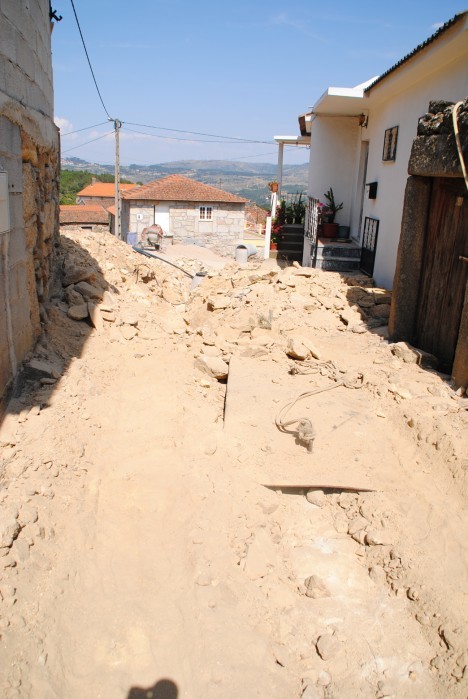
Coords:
249,180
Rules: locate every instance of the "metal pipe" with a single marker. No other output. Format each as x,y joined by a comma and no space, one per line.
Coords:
156,257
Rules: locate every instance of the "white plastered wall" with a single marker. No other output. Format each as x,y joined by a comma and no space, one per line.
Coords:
403,110
333,148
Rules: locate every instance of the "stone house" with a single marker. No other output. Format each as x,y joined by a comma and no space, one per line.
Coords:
29,172
361,139
189,211
100,193
90,216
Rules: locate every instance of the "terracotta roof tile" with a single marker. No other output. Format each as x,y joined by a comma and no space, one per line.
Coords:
180,188
86,213
103,189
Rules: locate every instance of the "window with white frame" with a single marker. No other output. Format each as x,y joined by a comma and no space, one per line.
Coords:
206,213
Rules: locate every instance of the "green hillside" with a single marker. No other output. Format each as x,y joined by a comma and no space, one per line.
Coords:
249,180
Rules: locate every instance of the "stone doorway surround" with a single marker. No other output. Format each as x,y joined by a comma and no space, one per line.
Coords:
434,154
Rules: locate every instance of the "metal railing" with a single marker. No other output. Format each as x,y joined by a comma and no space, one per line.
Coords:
311,219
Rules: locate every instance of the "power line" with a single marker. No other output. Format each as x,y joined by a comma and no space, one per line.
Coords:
257,155
175,138
86,142
86,128
197,133
89,62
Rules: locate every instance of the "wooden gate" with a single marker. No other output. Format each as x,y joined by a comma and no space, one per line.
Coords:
444,274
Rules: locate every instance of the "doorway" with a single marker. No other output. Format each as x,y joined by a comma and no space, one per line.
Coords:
444,272
162,218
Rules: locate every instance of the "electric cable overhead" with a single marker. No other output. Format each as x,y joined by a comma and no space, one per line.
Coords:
85,128
256,155
109,133
89,62
175,138
198,133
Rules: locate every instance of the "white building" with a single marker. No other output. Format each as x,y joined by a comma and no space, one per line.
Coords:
363,135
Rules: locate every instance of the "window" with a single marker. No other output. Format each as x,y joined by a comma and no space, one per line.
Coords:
390,144
206,213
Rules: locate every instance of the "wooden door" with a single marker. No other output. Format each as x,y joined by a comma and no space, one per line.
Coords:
444,275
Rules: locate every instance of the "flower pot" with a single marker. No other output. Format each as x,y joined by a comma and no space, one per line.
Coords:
330,230
273,246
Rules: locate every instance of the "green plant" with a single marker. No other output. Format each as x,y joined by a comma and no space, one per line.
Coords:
298,208
295,211
279,221
332,207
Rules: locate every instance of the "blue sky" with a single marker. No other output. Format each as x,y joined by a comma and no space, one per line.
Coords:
244,68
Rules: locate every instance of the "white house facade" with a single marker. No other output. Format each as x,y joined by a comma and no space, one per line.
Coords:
360,141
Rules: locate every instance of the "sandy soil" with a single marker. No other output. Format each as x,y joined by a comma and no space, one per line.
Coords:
161,537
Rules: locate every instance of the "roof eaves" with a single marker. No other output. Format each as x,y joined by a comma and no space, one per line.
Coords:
420,47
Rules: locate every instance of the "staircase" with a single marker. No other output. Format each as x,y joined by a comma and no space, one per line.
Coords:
337,255
291,242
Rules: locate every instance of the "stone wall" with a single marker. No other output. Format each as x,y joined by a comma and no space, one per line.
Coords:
29,154
220,235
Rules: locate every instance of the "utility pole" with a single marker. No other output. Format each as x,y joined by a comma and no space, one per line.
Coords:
118,232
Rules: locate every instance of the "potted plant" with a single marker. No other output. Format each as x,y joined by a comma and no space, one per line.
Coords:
277,224
329,227
273,186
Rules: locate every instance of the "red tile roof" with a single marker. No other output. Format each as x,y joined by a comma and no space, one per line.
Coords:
86,213
103,189
180,188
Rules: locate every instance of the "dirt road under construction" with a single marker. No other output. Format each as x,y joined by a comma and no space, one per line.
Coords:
240,490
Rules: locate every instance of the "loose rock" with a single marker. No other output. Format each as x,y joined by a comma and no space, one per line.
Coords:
327,646
316,588
213,366
78,312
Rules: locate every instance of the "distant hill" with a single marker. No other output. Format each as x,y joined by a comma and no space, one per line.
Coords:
249,180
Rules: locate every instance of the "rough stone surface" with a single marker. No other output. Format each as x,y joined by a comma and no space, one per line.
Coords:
376,537
213,366
316,497
9,530
327,646
316,588
74,274
78,312
89,291
95,316
411,355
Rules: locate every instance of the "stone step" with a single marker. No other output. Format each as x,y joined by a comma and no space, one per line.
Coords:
338,264
338,251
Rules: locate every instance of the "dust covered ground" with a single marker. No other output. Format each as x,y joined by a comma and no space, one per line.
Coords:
161,537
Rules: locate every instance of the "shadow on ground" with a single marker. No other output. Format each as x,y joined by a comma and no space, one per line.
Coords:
163,689
62,338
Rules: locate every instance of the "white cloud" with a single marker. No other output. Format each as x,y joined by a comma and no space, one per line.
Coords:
437,25
64,125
